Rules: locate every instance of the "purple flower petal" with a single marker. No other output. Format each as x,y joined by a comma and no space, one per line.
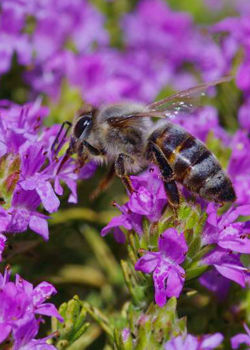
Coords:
239,339
19,220
2,244
40,226
233,214
160,275
148,262
234,274
72,186
211,341
48,310
119,235
227,264
125,334
5,330
173,244
42,291
116,222
215,282
58,187
26,329
190,342
175,283
4,219
238,244
141,201
47,195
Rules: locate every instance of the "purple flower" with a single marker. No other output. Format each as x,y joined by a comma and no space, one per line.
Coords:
242,78
154,27
239,166
216,283
190,342
154,30
237,30
244,115
23,214
128,220
20,303
38,296
2,244
125,334
33,174
58,24
227,264
24,338
201,122
87,170
224,231
36,344
241,338
149,197
19,124
168,276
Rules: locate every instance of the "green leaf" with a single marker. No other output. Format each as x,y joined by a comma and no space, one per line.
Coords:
74,325
9,176
195,271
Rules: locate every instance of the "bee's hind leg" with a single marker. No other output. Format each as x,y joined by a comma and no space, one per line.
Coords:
121,172
158,157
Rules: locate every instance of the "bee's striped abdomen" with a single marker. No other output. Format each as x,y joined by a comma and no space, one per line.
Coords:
193,164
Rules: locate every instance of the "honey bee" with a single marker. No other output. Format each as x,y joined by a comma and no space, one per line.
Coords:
125,137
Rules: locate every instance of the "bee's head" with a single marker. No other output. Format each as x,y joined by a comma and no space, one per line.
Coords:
83,122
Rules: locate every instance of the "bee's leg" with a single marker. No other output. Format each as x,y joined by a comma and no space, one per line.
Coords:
82,157
121,172
105,182
70,150
56,145
167,174
92,150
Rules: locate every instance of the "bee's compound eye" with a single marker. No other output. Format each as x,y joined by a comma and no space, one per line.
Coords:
82,125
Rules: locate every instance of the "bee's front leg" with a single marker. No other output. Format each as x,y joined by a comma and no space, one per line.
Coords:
57,144
82,155
158,157
121,172
92,150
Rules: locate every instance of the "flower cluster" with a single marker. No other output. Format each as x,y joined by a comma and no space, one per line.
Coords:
51,42
31,171
67,40
231,239
40,32
148,199
239,166
235,40
20,305
228,237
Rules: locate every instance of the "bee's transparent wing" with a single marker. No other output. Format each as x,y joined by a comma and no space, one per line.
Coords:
184,101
